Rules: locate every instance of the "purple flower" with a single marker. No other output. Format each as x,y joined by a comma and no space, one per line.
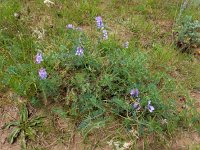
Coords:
79,51
38,58
70,26
42,73
134,92
136,106
150,107
126,44
99,22
105,35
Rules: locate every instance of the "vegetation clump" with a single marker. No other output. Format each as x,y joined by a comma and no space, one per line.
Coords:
79,68
188,35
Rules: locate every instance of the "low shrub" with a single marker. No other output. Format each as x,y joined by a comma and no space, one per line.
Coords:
188,34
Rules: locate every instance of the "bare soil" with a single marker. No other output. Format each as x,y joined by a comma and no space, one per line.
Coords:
196,96
7,114
189,140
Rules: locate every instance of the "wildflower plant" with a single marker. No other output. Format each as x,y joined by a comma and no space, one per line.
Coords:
25,127
101,28
93,79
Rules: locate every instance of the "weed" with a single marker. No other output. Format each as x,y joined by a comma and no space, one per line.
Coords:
24,127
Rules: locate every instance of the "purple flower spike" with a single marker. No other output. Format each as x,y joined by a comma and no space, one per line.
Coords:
42,73
38,58
70,26
132,93
105,35
99,22
79,51
150,107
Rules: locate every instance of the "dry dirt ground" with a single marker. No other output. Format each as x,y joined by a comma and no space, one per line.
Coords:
7,113
183,141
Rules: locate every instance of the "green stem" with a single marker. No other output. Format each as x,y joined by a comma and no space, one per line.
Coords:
44,96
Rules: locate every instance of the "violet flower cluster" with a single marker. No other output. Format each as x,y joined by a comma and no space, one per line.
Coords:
99,22
79,51
136,105
100,25
38,58
42,72
134,93
70,26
